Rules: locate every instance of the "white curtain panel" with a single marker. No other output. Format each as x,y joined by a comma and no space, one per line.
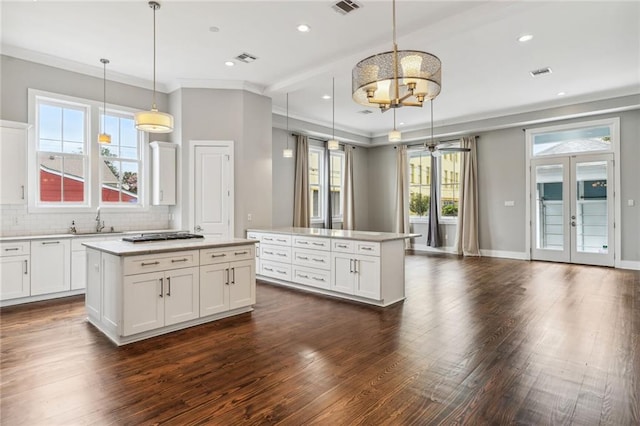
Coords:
467,243
348,213
301,213
402,194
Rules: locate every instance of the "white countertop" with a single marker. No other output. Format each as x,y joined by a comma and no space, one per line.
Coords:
338,233
126,248
83,235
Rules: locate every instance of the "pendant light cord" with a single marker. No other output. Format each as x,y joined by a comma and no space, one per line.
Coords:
155,6
104,93
287,136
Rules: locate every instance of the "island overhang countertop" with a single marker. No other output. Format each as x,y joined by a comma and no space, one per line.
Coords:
126,248
337,233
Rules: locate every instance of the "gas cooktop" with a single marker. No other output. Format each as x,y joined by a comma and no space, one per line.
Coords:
161,237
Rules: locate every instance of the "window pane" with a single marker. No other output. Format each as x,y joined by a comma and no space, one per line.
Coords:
74,178
50,122
450,184
419,184
111,172
314,168
572,141
50,171
129,183
73,125
112,127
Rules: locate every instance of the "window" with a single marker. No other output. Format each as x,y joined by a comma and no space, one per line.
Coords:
69,168
318,183
120,160
420,184
61,151
576,140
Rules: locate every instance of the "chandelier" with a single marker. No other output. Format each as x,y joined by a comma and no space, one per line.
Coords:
397,78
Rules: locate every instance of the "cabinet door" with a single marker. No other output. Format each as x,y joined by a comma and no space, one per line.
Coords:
242,284
13,165
214,289
342,278
14,277
182,295
143,302
51,266
78,269
367,277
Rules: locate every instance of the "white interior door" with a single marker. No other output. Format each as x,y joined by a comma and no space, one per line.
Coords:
213,191
572,209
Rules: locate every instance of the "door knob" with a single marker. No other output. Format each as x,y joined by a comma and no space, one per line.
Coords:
573,217
198,228
573,223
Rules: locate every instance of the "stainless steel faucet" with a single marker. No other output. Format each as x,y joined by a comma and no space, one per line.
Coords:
99,223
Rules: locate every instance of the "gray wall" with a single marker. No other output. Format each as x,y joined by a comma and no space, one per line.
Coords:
501,177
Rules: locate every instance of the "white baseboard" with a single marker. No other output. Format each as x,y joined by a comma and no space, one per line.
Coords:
628,264
427,249
518,255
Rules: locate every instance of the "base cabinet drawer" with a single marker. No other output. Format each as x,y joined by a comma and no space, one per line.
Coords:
275,270
312,258
161,262
226,254
275,253
312,277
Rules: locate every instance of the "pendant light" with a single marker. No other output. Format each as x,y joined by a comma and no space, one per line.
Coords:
395,135
287,152
333,144
154,121
103,136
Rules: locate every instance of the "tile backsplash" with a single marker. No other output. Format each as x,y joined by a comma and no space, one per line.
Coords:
17,221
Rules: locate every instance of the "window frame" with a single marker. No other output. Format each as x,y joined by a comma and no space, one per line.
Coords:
339,153
322,192
92,179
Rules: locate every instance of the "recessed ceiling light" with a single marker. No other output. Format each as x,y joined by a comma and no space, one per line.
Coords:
304,28
229,63
326,97
561,93
525,38
214,29
401,123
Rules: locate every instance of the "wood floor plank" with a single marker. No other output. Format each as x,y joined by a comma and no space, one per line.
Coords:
477,341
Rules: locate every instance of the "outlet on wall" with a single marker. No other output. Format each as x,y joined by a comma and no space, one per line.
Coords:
249,217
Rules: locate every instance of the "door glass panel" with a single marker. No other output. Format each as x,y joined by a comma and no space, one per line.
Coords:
549,207
591,207
586,139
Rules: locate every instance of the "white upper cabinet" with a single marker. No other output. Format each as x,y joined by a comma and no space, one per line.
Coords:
163,170
13,162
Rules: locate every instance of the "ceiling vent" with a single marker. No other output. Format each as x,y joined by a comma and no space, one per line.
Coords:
541,71
365,112
247,58
345,6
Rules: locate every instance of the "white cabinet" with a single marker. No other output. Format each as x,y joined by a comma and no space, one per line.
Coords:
14,270
354,272
13,162
275,256
50,266
227,278
163,172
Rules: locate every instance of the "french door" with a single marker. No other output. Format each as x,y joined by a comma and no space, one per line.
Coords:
572,209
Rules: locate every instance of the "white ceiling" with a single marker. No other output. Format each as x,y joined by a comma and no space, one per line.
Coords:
592,47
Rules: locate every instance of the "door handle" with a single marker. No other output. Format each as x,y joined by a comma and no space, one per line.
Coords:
233,275
161,287
227,280
198,228
355,263
573,223
50,242
26,267
169,286
350,266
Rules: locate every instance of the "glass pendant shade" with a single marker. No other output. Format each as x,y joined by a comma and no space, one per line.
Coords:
395,136
333,144
104,138
154,121
287,153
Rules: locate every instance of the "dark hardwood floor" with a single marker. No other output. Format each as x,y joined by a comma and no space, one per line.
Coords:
478,341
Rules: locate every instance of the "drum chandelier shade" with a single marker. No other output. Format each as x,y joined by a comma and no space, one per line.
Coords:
154,121
396,78
103,136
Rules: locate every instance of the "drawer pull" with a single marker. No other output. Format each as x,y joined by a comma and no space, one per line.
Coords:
179,260
268,239
303,242
268,269
50,242
366,248
303,276
238,253
281,240
218,255
282,254
12,249
268,252
318,279
281,272
303,257
150,263
342,245
318,244
318,260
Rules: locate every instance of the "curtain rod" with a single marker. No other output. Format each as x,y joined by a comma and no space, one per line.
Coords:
319,140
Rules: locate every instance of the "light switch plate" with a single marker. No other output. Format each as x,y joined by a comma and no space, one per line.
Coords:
631,203
509,203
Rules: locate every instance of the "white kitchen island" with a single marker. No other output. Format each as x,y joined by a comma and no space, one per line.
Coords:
363,266
145,289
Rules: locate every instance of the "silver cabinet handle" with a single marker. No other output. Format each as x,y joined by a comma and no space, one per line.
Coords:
218,255
238,253
149,263
161,195
303,257
281,272
318,244
50,242
161,287
179,260
342,245
168,286
366,248
12,249
267,238
281,240
233,275
281,254
356,264
303,276
303,242
318,260
268,269
26,267
22,188
350,266
268,252
318,279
